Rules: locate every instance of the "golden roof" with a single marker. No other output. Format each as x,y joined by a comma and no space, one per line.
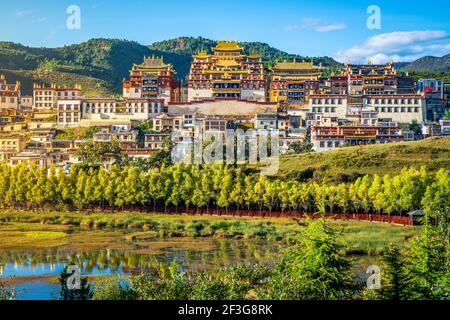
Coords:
227,46
295,65
154,62
254,56
202,55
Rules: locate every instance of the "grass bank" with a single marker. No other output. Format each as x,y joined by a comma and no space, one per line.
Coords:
83,230
346,164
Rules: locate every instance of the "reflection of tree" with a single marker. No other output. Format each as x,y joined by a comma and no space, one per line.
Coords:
225,252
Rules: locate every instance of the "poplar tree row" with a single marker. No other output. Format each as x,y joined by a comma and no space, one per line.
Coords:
219,186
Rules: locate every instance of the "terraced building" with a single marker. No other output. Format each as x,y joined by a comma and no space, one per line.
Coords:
227,73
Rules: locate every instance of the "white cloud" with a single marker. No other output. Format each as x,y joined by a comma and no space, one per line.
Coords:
397,46
331,27
308,23
291,28
315,24
21,13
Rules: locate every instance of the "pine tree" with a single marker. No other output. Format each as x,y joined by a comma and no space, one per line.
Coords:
320,198
175,196
207,188
429,266
249,192
270,195
284,194
39,192
141,196
362,194
154,187
226,188
98,195
84,293
5,172
8,186
237,195
342,198
21,185
188,187
373,192
394,280
79,196
260,191
436,202
111,185
318,269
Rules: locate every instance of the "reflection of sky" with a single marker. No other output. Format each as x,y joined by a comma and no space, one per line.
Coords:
37,291
47,269
116,263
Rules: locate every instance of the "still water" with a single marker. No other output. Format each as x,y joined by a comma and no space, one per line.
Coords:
30,272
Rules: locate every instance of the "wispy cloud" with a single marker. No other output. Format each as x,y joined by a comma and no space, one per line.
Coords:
291,28
22,13
43,19
398,46
331,27
316,25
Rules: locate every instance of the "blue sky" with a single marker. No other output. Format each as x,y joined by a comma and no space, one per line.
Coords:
409,29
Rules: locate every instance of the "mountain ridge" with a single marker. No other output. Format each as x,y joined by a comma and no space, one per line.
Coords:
109,60
103,63
429,63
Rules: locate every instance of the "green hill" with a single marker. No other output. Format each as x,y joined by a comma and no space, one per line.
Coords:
102,64
347,164
187,46
416,75
105,62
430,63
92,87
102,61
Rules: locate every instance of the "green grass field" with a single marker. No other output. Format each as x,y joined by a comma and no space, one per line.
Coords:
348,163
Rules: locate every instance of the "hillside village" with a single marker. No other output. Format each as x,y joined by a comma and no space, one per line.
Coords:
227,89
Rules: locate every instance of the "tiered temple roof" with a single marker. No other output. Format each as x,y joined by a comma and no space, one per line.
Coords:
296,70
153,65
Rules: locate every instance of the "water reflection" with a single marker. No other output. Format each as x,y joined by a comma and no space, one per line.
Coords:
35,266
113,262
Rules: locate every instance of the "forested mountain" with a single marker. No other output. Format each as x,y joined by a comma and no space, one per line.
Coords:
189,46
429,63
103,63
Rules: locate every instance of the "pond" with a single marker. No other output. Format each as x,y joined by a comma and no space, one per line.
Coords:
34,274
32,256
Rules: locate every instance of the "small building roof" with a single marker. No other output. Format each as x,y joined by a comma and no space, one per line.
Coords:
416,213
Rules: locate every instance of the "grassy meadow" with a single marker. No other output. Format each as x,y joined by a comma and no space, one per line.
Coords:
86,231
348,163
